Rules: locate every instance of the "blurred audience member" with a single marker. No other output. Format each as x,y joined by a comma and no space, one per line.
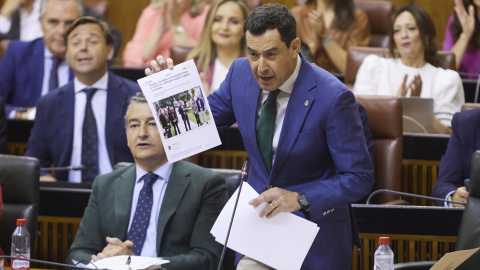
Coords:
413,73
162,24
3,128
463,36
253,4
31,69
329,27
221,41
456,163
91,132
19,20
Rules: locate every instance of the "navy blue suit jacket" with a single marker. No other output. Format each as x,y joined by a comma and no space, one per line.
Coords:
321,151
51,138
455,164
21,73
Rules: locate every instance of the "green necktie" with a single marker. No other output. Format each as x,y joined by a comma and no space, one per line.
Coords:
265,128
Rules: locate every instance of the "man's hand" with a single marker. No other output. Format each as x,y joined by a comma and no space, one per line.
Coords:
279,200
47,178
158,65
115,247
461,195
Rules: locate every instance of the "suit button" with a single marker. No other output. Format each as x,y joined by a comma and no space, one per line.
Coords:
269,187
324,213
328,211
333,209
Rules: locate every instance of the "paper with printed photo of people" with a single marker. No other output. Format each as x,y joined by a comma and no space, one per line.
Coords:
181,110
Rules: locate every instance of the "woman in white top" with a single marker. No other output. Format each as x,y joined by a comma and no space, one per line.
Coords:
221,42
413,73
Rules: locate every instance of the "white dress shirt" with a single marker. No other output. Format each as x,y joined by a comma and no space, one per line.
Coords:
282,102
63,72
99,107
150,245
30,27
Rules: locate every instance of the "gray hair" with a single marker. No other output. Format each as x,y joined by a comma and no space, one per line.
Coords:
43,7
138,98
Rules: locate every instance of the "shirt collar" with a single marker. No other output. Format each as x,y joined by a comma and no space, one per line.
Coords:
100,84
287,86
47,54
163,171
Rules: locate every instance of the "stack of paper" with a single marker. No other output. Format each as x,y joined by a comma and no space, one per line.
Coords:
117,262
282,242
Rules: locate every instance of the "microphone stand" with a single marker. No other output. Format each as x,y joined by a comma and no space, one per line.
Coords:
243,178
67,168
409,195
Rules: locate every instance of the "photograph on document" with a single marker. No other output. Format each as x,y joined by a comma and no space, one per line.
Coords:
183,116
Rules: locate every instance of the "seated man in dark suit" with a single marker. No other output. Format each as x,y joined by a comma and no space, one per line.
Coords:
3,128
81,123
31,69
186,202
19,21
455,165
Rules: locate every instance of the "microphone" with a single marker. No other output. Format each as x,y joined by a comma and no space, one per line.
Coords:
64,266
243,178
66,168
244,174
409,195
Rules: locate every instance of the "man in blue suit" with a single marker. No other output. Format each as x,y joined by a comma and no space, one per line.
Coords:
456,164
317,160
96,97
25,70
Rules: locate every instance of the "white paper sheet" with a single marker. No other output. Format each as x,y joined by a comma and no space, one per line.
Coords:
282,242
181,83
117,262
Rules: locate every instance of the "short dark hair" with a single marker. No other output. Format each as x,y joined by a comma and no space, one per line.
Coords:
272,16
138,98
425,26
87,20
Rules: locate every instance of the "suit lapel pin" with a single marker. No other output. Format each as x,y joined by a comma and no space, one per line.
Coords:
306,103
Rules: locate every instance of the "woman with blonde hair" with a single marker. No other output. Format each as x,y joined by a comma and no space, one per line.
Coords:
221,41
162,24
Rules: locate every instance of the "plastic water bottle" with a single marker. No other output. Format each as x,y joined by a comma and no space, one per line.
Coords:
21,246
383,255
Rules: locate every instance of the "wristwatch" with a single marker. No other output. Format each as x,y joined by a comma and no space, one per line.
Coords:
305,207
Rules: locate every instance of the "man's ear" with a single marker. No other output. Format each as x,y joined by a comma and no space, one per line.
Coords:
111,50
295,45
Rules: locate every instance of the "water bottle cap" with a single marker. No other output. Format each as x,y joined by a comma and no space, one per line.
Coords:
21,222
384,240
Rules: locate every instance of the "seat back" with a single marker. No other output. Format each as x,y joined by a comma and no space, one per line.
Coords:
379,15
469,231
99,7
19,178
385,118
179,53
356,54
